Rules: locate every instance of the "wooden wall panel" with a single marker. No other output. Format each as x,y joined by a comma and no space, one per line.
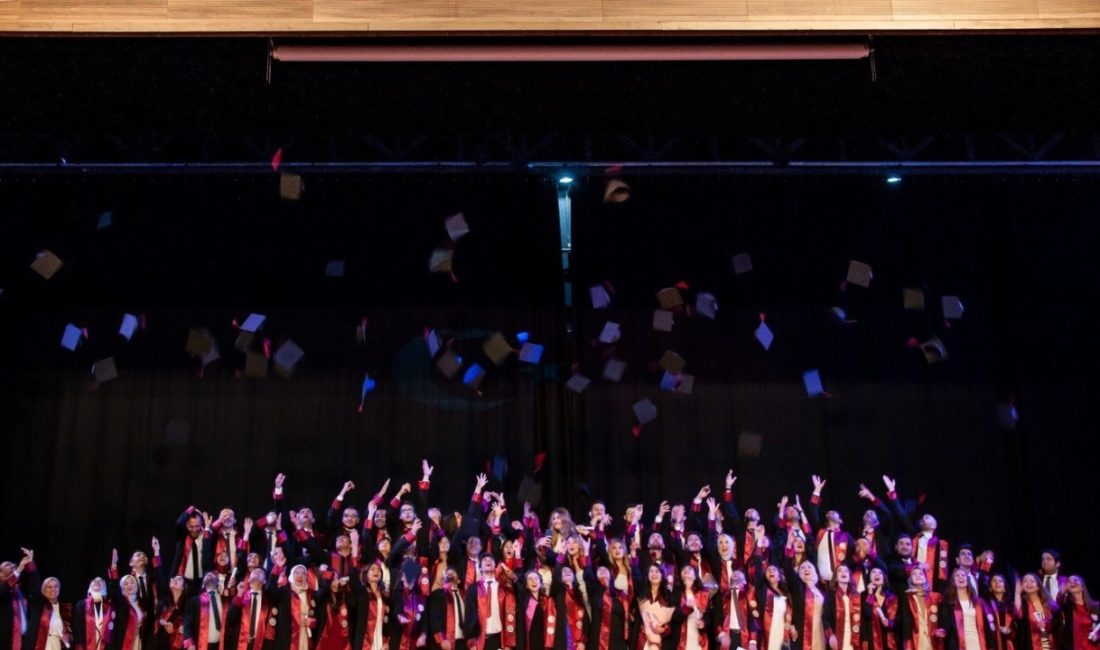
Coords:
283,17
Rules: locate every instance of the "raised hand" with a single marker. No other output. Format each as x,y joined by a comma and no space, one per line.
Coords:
890,483
704,492
155,544
712,506
730,479
348,487
280,478
426,468
783,502
435,516
819,483
482,481
416,526
526,509
865,493
248,523
114,557
678,514
663,509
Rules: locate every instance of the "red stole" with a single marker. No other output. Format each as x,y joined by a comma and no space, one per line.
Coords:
882,637
979,621
221,544
132,626
1034,626
935,557
174,615
854,617
471,574
105,626
18,611
342,565
412,608
932,617
574,619
374,619
765,630
336,634
44,624
840,545
702,566
265,629
204,623
810,609
507,636
296,618
451,624
550,617
1000,614
702,598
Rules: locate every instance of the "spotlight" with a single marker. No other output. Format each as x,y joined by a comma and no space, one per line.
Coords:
893,179
565,180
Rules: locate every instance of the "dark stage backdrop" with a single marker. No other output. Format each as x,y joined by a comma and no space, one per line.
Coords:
89,467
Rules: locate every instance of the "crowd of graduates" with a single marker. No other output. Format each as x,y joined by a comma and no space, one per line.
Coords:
703,575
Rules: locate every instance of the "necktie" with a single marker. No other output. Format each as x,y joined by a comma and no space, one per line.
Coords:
735,626
832,553
215,614
141,588
459,614
255,618
196,571
1051,588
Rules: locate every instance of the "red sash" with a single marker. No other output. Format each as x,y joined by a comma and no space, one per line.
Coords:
574,618
201,642
550,616
932,618
44,624
507,617
882,637
106,626
810,609
264,628
374,619
854,617
131,627
412,607
1000,614
1034,626
451,624
296,619
701,599
979,621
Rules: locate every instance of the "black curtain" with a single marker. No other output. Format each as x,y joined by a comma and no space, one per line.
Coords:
91,467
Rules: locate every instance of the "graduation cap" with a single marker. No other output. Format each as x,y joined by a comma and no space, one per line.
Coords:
287,356
497,349
672,362
290,186
934,350
335,268
449,364
129,326
369,384
912,298
253,323
687,384
410,571
530,491
662,320
859,274
645,411
530,353
441,260
104,370
244,341
615,191
707,305
669,298
952,307
610,332
456,226
811,379
431,338
599,295
46,264
764,334
500,467
613,370
742,263
104,220
749,444
199,341
474,375
1007,415
255,365
577,383
70,338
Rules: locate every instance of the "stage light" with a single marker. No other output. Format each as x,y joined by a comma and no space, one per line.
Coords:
893,179
565,180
